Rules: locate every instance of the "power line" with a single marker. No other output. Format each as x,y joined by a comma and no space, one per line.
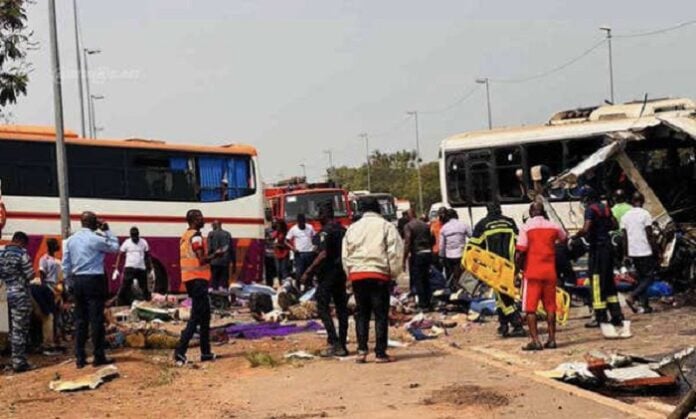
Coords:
657,31
554,69
392,129
469,93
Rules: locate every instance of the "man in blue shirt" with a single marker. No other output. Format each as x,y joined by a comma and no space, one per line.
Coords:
83,263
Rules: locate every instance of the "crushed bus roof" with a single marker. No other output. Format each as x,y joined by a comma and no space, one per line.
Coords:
47,134
584,122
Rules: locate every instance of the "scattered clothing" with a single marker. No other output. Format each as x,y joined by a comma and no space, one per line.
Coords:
262,330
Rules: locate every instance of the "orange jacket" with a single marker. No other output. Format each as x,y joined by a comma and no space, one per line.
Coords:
191,267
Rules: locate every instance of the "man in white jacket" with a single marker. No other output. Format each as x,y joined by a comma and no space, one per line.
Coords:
372,258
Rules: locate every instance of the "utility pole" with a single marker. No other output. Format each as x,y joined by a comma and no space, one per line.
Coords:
365,137
87,52
611,62
329,153
79,67
418,162
93,112
61,163
486,81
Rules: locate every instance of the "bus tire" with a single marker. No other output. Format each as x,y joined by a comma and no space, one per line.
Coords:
161,285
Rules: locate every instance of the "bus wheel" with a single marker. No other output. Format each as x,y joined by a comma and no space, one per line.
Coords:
161,285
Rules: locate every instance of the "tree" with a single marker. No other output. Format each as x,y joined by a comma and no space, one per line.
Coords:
15,41
393,173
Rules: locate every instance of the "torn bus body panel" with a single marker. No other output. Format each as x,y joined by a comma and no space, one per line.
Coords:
660,162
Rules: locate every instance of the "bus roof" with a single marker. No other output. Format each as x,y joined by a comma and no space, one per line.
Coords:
578,123
48,134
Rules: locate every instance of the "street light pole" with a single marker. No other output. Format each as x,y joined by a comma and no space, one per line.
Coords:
87,52
61,160
330,172
418,162
304,171
365,137
79,68
486,81
611,62
92,111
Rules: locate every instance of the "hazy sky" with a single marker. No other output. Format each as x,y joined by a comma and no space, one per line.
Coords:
295,78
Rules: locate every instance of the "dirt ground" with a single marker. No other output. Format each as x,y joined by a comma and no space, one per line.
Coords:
425,382
431,379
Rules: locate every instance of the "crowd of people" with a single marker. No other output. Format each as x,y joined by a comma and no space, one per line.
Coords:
367,257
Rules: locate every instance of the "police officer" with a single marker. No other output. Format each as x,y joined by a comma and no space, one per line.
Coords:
16,271
599,222
331,281
497,234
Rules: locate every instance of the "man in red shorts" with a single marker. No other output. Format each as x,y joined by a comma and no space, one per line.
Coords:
536,258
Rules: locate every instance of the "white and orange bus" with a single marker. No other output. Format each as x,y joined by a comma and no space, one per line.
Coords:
134,182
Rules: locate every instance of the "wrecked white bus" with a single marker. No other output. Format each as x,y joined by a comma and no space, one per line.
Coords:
645,145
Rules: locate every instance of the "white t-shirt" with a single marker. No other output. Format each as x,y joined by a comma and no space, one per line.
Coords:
302,238
135,253
634,222
51,267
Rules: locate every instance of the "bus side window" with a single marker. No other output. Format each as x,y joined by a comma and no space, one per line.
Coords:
549,158
456,179
508,162
480,177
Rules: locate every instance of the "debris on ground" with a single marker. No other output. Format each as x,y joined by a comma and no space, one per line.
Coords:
90,381
301,355
261,359
624,372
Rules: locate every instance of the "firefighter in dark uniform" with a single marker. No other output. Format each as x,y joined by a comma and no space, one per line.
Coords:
331,281
497,234
599,223
16,270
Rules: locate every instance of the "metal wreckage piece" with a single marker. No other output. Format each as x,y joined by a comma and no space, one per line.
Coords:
675,236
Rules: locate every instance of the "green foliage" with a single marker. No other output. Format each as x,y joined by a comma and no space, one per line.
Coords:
15,41
394,173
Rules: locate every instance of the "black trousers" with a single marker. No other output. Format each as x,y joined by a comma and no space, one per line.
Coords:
125,293
332,287
219,276
372,297
420,277
90,292
604,294
453,270
645,268
270,269
197,290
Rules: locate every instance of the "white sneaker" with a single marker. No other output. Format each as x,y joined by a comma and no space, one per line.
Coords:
625,331
609,331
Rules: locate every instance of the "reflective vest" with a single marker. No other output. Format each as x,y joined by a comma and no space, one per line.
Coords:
191,267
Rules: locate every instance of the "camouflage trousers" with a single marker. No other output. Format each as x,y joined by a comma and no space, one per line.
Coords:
20,317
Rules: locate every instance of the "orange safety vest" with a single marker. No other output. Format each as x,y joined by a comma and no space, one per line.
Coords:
191,267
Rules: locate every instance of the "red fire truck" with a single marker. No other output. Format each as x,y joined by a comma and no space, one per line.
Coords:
290,198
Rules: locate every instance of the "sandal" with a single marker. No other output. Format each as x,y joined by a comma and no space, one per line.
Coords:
551,344
361,358
385,360
533,346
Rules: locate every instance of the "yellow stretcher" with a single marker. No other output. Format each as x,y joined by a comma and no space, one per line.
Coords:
499,274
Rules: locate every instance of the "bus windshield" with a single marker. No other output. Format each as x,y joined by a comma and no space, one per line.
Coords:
309,204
